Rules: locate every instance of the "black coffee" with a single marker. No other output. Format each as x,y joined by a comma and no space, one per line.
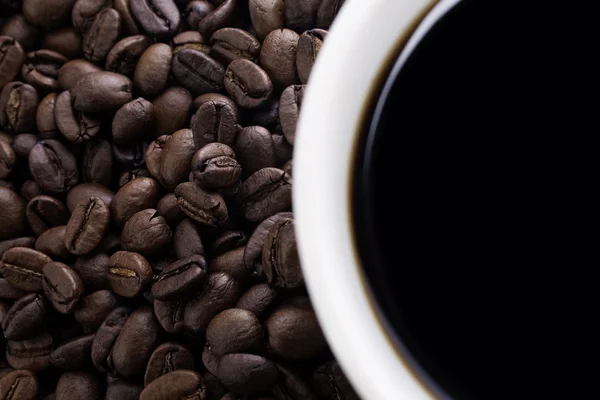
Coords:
459,200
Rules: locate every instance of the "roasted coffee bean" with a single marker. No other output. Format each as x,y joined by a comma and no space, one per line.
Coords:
138,338
265,193
218,18
81,192
234,331
101,92
146,233
93,271
65,41
45,212
22,145
176,158
102,35
47,14
247,83
216,120
139,194
97,163
154,155
255,149
294,333
291,386
18,104
220,292
198,72
187,240
208,208
8,159
289,110
327,12
125,54
278,56
73,70
230,44
74,125
40,69
53,166
128,24
168,208
22,268
122,390
128,273
44,117
73,354
85,11
280,262
168,357
19,385
52,243
9,292
87,226
12,214
95,307
267,16
228,240
32,353
210,361
232,262
193,176
26,241
11,59
134,120
79,385
182,384
133,155
26,316
172,109
330,383
158,18
247,373
106,336
195,12
30,189
152,69
62,287
190,40
180,278
170,315
258,299
309,45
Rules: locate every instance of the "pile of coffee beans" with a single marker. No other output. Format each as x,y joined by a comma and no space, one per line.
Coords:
147,238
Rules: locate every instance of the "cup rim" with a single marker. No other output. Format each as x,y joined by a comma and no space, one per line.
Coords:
335,107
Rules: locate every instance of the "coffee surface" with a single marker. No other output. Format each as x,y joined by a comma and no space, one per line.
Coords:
459,199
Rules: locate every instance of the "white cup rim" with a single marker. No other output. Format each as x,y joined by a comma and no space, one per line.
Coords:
356,54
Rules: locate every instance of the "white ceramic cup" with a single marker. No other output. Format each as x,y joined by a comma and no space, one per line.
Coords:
362,40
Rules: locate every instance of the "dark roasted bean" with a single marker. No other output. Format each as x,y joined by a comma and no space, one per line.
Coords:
180,278
26,316
87,226
22,268
167,357
53,166
62,286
